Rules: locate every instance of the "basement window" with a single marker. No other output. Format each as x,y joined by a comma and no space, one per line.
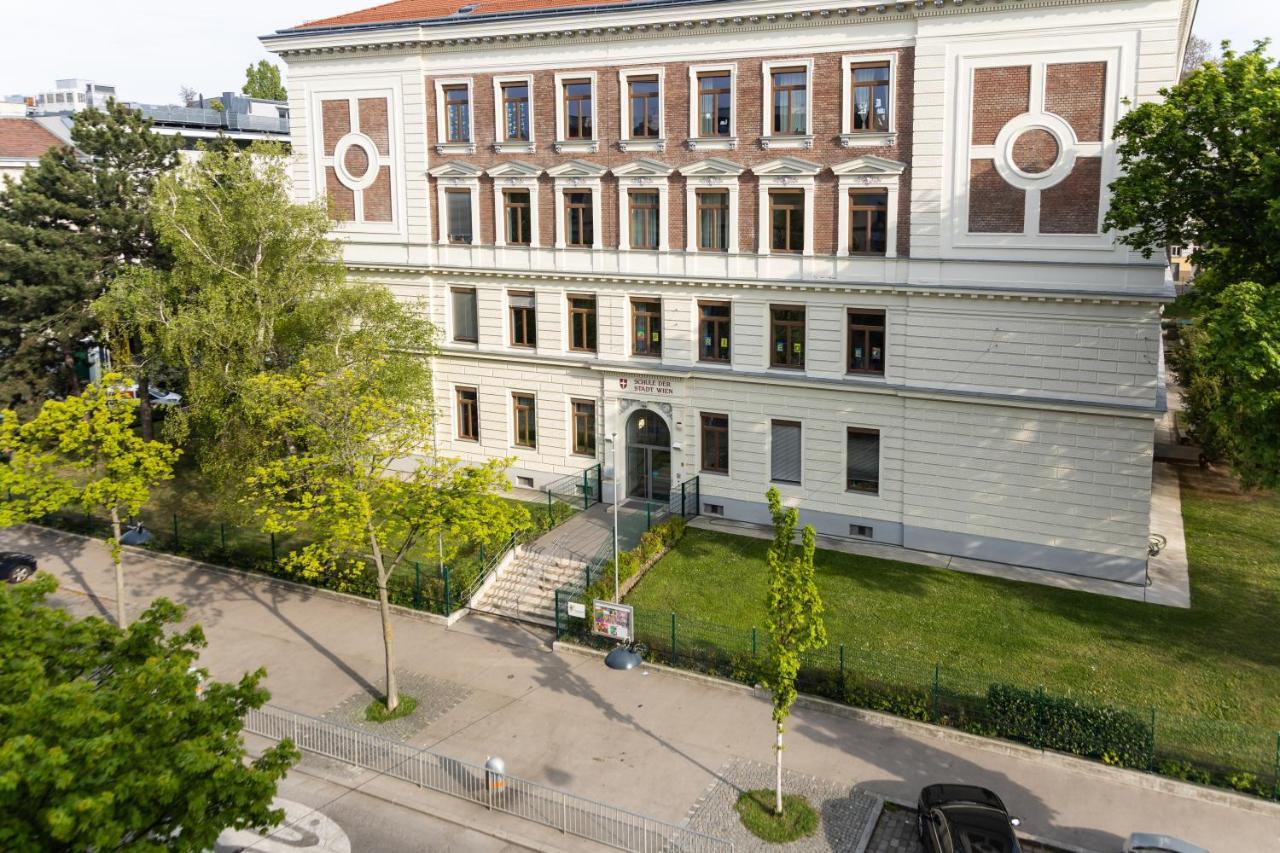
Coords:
862,531
713,509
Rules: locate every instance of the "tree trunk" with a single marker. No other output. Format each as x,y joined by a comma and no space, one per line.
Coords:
146,414
384,607
777,750
116,557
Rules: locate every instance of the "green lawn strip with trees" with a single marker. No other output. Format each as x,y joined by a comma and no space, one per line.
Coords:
756,809
1212,673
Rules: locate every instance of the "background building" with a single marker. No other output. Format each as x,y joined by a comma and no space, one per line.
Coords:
854,253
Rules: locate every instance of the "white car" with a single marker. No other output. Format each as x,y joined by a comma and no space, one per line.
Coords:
1154,842
157,397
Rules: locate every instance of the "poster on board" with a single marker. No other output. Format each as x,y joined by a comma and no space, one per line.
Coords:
614,621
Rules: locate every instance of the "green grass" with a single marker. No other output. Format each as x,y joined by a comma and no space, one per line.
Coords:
797,820
377,711
1218,661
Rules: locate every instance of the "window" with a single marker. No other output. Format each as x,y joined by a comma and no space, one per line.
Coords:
525,420
713,509
584,427
468,415
788,337
862,462
790,101
715,103
517,216
515,112
582,323
862,531
464,314
523,320
645,108
715,443
579,230
866,342
646,322
578,110
869,88
786,218
713,331
713,220
458,203
868,221
784,456
457,108
644,218
524,482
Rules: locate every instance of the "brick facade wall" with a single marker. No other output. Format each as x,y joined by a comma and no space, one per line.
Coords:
1071,207
336,122
825,101
1075,91
995,207
999,94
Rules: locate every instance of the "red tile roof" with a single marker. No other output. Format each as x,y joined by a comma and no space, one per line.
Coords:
424,10
22,137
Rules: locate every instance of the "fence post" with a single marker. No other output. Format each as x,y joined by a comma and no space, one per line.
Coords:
842,669
273,550
557,614
673,639
564,812
417,585
937,716
697,495
648,515
222,535
1275,789
586,489
482,556
1151,759
448,601
753,641
586,577
551,519
175,531
682,491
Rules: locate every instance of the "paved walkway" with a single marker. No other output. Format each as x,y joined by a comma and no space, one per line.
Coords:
648,741
590,531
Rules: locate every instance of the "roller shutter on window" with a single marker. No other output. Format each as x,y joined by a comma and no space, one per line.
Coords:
787,463
863,460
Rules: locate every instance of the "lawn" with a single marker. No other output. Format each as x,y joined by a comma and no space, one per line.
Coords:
1218,661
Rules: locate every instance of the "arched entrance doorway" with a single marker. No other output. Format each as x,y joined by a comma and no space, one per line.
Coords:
648,457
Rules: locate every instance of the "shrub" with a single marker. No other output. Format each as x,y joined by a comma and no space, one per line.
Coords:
1069,725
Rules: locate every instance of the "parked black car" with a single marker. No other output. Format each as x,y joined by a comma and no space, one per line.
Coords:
965,819
15,567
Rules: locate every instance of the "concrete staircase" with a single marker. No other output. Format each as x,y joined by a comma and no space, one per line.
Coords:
526,587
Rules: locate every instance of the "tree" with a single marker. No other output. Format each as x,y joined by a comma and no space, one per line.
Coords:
107,740
83,451
74,222
187,95
1198,52
794,619
341,434
263,81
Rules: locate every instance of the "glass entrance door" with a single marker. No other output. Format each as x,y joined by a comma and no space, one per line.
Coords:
648,457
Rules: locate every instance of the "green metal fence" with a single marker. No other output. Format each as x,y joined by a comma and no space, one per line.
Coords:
572,494
1228,754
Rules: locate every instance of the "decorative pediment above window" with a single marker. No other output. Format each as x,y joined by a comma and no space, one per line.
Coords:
514,172
787,166
642,168
577,169
456,169
712,167
869,165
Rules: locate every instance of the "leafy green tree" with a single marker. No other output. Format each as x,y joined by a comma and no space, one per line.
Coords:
794,619
71,225
263,81
254,284
82,451
343,437
108,740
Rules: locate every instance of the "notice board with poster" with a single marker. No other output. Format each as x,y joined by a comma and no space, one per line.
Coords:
615,621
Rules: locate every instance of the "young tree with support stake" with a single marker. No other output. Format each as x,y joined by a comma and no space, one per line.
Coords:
84,451
794,619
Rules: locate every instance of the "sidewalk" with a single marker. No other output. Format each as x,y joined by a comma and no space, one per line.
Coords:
649,742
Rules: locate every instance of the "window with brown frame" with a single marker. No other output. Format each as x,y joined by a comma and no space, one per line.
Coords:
787,323
862,461
713,220
515,112
866,342
786,219
868,222
578,119
715,443
869,98
524,319
715,103
644,218
579,227
468,414
646,324
790,101
517,217
582,323
713,331
458,208
457,107
584,427
525,420
645,108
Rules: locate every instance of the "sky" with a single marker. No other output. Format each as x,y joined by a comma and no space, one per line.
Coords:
157,46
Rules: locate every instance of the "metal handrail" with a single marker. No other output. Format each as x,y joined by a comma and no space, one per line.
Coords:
487,570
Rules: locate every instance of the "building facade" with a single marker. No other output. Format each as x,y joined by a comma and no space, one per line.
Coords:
852,252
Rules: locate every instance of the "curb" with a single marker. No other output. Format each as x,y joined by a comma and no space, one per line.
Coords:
1122,775
268,580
